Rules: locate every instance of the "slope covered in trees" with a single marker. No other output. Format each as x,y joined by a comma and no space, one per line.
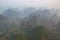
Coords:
28,22
4,24
39,33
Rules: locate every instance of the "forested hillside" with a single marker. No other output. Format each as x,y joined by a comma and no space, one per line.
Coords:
30,24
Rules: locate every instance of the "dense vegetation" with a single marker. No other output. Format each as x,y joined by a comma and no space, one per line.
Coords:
30,24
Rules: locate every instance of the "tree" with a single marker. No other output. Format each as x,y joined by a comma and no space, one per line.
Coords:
39,33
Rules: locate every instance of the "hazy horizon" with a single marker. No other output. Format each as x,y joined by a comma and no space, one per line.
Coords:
30,3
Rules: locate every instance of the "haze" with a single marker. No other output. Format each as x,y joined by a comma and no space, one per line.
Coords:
32,3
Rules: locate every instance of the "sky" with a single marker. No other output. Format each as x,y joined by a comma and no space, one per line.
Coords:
30,3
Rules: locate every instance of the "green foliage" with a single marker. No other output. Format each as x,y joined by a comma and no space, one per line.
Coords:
39,33
19,37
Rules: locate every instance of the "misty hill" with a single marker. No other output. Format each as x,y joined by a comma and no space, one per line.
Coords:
33,17
26,20
16,13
